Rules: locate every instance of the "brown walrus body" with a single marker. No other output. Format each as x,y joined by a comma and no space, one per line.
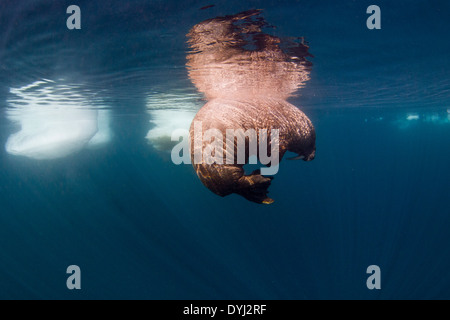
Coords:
246,75
296,134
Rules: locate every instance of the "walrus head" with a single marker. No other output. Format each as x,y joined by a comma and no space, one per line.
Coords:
303,142
246,75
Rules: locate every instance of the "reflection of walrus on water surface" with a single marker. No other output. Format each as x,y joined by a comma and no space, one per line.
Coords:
246,76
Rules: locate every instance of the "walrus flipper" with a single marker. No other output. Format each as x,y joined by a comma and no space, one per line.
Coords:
254,187
224,180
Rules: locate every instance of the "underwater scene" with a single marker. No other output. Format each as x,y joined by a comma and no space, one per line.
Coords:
224,150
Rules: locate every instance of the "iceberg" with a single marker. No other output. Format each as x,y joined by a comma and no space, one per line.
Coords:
170,112
54,121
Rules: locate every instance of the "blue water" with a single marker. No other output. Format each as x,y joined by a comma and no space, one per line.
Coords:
139,226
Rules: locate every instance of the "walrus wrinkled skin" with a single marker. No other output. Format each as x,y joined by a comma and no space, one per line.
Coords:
247,76
296,134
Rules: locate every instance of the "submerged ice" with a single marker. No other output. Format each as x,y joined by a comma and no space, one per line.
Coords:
55,121
168,113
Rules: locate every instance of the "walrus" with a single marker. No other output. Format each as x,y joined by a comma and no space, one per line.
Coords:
297,135
247,78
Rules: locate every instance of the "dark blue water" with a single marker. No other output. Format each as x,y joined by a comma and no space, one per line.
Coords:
141,227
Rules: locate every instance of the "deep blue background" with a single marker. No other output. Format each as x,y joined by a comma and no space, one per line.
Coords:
141,227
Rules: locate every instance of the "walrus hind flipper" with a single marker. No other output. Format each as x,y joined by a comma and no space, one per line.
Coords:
254,187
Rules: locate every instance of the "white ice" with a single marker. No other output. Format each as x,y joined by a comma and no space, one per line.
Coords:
103,134
170,112
165,122
54,122
413,116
